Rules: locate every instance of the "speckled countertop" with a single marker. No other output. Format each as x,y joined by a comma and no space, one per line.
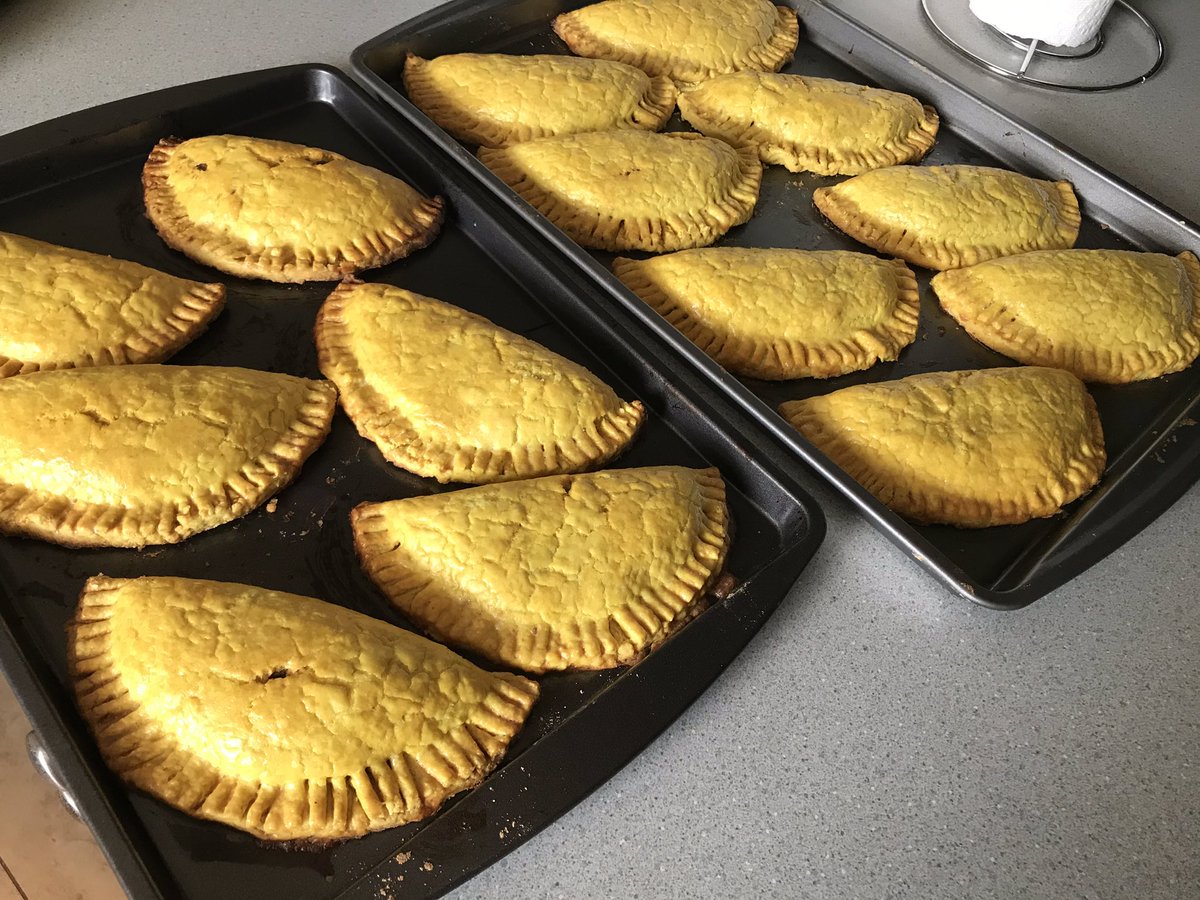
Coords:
880,737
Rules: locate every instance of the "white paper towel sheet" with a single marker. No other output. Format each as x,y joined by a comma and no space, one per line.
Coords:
1061,22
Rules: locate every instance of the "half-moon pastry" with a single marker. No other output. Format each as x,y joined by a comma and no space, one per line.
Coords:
63,308
565,572
493,99
687,40
284,716
972,449
282,212
779,314
1105,315
633,190
448,395
943,217
125,456
812,124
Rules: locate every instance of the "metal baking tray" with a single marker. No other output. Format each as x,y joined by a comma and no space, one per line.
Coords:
76,181
1154,456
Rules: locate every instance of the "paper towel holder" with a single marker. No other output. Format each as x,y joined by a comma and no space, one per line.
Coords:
1128,49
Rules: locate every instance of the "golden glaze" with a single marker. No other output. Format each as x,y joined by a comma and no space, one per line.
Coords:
448,395
63,308
284,716
565,572
973,448
282,212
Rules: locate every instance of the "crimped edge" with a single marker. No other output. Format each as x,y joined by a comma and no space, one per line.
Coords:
782,359
1039,501
61,520
333,809
388,243
987,321
195,309
768,56
401,444
848,217
646,621
614,232
650,113
715,122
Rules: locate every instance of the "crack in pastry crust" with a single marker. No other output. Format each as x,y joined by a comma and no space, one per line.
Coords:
812,124
633,190
686,40
566,572
780,314
62,308
135,455
448,395
494,100
1111,316
972,448
282,212
945,217
283,716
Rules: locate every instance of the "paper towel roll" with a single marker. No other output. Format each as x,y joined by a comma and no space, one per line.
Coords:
1061,22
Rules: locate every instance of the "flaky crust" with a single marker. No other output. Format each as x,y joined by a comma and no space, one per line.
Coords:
812,124
135,455
972,449
306,226
633,190
781,314
687,40
317,699
1111,316
62,308
566,572
946,217
412,383
494,100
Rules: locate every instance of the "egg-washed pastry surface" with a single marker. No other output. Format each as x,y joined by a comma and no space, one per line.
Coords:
972,449
943,217
779,314
448,395
63,308
566,572
686,40
812,124
267,209
633,190
284,716
125,456
1105,315
493,100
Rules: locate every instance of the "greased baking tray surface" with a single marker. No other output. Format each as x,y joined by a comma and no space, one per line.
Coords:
76,181
1154,453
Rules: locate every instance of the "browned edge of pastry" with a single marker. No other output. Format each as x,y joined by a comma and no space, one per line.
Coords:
396,241
614,232
81,524
769,56
402,445
653,109
1083,472
336,809
155,342
698,573
781,359
846,216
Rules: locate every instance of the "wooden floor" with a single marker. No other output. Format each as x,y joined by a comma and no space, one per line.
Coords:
45,852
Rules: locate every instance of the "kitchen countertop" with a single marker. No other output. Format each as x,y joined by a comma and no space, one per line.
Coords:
880,737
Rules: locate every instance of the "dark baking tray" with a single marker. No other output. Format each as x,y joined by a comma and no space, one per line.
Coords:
75,181
1152,459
